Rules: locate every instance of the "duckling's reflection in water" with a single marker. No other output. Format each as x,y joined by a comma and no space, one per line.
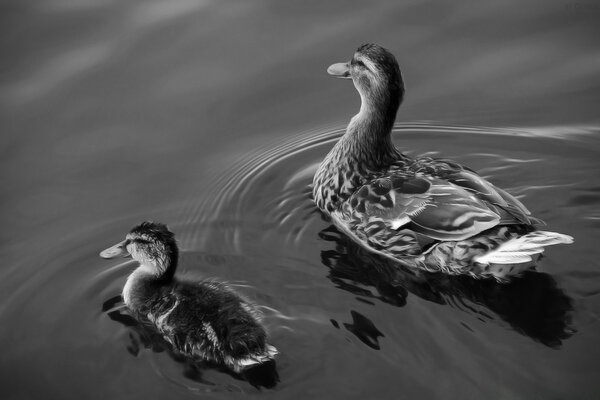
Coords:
531,303
146,336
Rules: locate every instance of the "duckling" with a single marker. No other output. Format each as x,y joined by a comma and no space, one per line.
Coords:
204,320
424,213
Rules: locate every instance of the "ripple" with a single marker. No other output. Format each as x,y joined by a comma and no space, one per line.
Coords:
231,189
270,185
252,222
262,203
264,195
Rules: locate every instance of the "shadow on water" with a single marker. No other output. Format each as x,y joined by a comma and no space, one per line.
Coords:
532,303
363,328
145,336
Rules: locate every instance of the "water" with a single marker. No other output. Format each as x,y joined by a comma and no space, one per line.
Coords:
212,118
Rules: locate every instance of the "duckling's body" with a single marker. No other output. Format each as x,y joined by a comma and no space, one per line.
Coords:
205,320
426,213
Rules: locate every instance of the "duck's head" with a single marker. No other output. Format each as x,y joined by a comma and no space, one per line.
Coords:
152,245
376,76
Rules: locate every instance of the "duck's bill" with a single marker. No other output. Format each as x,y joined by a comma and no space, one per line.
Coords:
340,70
118,250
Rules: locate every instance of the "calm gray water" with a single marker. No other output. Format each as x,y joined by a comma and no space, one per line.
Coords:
211,116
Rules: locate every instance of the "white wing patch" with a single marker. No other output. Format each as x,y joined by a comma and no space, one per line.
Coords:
400,222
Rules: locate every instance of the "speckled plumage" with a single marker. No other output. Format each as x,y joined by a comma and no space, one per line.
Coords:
205,319
432,214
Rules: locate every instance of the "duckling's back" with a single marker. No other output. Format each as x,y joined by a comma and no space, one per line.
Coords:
209,321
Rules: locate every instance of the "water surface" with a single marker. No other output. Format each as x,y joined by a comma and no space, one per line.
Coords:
212,118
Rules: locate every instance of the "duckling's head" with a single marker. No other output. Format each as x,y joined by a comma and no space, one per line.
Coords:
376,76
152,245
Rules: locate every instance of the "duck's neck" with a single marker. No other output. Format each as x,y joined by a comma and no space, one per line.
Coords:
368,134
375,120
365,148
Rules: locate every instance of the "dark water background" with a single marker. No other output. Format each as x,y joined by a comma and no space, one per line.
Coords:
211,116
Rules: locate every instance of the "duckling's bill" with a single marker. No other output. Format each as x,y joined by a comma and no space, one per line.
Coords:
340,70
119,249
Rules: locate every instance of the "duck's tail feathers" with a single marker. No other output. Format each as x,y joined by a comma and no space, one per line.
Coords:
269,354
521,249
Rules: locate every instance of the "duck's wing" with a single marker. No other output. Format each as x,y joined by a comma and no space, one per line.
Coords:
507,206
396,212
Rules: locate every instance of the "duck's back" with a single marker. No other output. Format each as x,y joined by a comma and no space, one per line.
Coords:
414,205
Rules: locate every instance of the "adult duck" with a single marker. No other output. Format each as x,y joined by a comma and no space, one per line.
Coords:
206,320
425,213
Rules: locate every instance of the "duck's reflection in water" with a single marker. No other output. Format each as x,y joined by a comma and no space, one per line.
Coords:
532,303
145,336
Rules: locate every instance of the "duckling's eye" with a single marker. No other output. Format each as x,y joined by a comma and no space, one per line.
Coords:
360,64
